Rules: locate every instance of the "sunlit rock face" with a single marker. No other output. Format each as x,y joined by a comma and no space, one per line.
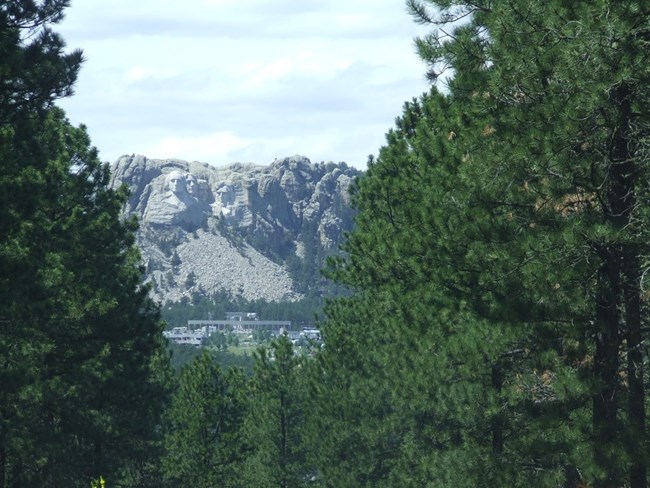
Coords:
236,227
176,203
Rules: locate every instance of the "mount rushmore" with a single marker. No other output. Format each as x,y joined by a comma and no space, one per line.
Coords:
177,203
258,232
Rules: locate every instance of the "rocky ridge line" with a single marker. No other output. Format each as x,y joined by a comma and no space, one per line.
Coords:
244,228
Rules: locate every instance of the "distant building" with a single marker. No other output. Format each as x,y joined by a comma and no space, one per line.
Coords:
198,331
182,335
241,316
239,322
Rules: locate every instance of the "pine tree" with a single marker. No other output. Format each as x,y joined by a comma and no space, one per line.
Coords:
82,347
35,72
563,158
408,371
82,382
275,425
496,311
204,444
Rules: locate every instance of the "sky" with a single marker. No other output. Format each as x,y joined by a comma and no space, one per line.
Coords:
223,81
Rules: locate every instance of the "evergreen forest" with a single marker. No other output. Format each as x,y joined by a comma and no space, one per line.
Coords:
494,322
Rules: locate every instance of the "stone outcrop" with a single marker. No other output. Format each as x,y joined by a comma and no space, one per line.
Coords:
246,228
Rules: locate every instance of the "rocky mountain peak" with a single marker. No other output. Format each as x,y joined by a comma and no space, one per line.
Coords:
253,230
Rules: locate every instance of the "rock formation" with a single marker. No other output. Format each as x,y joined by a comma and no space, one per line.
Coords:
177,203
259,232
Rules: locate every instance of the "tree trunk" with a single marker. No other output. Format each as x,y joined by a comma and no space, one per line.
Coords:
623,202
636,390
3,460
605,399
497,420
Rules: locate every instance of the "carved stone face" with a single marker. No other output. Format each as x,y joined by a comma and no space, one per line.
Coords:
203,190
176,182
192,185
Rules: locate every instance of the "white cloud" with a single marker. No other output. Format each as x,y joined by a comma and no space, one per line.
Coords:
233,80
217,146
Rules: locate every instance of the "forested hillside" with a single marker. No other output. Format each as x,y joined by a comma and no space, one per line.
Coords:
494,328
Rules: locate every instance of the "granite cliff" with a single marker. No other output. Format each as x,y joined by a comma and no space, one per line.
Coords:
259,232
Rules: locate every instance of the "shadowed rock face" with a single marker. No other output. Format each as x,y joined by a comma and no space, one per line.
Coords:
267,215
